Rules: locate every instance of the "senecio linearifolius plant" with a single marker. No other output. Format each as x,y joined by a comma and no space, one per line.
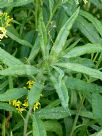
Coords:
50,68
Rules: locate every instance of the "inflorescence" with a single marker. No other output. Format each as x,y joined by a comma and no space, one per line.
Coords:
23,105
5,21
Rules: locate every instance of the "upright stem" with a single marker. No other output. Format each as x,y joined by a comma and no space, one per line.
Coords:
76,117
26,121
3,127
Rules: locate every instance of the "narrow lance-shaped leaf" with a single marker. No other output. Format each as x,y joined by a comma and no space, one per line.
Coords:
19,70
14,3
81,50
63,34
53,113
61,89
97,107
88,30
17,39
97,24
51,5
7,107
12,94
8,59
83,113
42,33
34,93
35,49
38,127
80,68
80,85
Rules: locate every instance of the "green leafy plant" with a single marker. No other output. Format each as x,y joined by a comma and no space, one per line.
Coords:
50,63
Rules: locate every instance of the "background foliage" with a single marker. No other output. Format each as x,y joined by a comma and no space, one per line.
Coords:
58,45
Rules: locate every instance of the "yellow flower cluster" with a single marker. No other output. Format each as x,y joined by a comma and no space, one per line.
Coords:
36,106
5,21
18,105
23,106
2,33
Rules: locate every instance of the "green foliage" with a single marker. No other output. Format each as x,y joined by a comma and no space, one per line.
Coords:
8,59
34,93
19,70
51,62
14,3
53,113
12,94
38,127
62,35
53,126
61,89
96,101
7,107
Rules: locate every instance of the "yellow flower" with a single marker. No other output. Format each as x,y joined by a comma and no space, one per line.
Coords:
25,104
30,83
5,21
36,106
16,103
2,33
19,109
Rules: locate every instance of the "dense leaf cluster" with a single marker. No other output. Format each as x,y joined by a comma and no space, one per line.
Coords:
58,45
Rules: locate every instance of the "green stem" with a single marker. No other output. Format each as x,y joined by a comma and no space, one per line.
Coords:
10,79
26,121
3,126
76,117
